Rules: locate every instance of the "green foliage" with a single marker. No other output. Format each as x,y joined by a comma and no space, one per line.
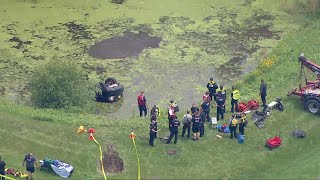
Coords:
60,84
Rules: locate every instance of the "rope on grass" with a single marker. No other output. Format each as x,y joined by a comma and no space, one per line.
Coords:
133,136
103,172
7,177
91,131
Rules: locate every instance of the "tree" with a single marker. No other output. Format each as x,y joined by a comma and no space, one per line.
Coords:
60,84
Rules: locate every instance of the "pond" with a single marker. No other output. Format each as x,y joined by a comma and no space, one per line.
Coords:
169,49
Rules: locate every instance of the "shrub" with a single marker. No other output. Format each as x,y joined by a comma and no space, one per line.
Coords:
60,84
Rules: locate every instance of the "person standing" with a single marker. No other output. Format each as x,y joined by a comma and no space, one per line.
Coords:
194,109
186,120
223,94
220,102
155,110
206,110
142,104
2,168
212,87
242,123
30,162
154,118
202,122
233,124
206,96
235,96
153,132
171,115
196,120
174,131
263,92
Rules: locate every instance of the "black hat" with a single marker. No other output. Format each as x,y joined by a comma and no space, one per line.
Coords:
171,101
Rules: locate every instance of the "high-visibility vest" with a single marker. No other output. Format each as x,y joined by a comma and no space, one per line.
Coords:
211,83
236,94
221,91
234,123
159,112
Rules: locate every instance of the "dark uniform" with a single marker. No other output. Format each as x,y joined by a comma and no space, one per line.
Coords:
153,117
2,169
263,93
174,131
155,111
196,121
220,107
242,124
194,109
233,124
223,93
235,96
212,87
186,124
202,122
206,111
153,128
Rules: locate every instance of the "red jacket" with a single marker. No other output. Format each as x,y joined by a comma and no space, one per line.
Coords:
141,100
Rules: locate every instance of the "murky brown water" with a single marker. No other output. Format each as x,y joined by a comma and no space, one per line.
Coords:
128,45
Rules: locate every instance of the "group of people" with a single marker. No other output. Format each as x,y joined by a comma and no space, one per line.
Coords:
196,117
29,161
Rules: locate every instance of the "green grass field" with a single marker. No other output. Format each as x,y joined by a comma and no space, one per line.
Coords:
52,133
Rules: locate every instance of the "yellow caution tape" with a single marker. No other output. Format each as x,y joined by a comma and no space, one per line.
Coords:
104,174
7,177
135,147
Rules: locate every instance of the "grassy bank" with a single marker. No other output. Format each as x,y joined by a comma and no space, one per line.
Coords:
52,133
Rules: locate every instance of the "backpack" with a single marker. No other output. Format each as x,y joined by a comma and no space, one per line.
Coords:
186,120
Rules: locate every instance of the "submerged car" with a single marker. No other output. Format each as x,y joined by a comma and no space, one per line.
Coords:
110,91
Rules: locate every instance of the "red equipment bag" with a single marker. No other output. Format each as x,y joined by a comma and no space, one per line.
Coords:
242,107
274,142
253,104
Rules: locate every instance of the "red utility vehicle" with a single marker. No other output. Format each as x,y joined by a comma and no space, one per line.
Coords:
310,93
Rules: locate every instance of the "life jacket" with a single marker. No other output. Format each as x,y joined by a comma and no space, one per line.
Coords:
234,122
141,100
236,94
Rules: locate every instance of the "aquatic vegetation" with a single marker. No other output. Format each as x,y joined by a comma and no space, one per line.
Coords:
217,38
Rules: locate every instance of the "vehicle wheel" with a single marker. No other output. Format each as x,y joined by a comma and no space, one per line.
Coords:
313,106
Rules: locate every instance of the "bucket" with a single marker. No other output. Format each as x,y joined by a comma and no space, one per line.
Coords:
240,139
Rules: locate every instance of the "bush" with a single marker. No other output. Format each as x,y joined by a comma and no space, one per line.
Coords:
60,84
